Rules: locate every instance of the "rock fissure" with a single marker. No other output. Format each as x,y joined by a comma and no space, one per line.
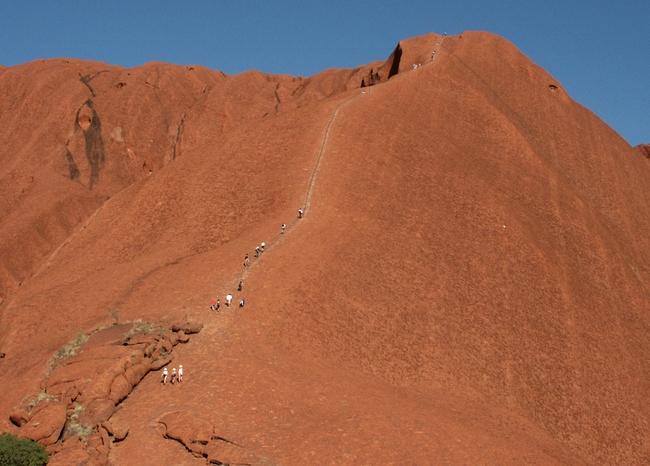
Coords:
178,136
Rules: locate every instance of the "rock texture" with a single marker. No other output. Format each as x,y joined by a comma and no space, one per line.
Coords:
468,283
91,384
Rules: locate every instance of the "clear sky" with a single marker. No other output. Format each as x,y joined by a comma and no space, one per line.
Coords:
599,50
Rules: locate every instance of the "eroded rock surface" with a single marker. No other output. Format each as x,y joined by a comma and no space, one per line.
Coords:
83,391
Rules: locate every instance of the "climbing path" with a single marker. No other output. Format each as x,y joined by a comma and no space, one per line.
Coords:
305,207
307,202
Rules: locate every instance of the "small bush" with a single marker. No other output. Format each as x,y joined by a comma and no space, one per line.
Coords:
143,327
21,452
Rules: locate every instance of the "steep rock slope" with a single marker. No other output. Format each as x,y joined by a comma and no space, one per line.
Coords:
468,285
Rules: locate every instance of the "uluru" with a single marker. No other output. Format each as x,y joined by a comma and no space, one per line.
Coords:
436,258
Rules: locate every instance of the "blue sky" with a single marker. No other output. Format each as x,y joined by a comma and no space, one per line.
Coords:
598,50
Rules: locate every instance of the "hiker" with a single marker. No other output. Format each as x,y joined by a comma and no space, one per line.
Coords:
299,213
241,303
218,306
228,299
180,373
262,246
164,376
257,251
247,261
213,305
240,286
283,227
174,376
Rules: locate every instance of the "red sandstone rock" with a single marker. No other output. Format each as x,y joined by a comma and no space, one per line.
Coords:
108,425
111,336
46,424
187,327
416,297
174,339
162,362
187,428
221,452
120,389
644,149
182,338
165,345
19,417
94,440
97,411
135,373
104,434
141,339
71,456
120,431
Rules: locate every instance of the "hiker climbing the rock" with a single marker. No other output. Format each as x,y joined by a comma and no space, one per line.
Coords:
228,299
257,251
218,305
174,376
241,303
213,305
247,261
240,286
262,246
180,373
283,227
300,213
164,376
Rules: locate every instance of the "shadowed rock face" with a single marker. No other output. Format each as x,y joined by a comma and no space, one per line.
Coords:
468,284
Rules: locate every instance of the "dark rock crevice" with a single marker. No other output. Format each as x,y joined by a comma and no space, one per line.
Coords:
85,79
73,169
397,56
178,136
92,131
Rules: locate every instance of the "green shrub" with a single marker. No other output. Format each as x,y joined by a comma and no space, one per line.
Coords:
21,452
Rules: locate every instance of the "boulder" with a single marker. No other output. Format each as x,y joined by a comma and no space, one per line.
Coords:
149,350
96,412
111,336
182,338
136,373
108,425
137,357
221,452
165,345
188,327
94,440
71,392
120,431
62,388
174,339
120,389
19,417
187,428
162,362
142,339
70,456
46,424
103,451
104,434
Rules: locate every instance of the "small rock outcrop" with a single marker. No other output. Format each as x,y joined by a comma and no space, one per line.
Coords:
644,149
200,438
72,415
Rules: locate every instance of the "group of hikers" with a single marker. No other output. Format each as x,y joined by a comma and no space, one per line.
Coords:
176,376
215,305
